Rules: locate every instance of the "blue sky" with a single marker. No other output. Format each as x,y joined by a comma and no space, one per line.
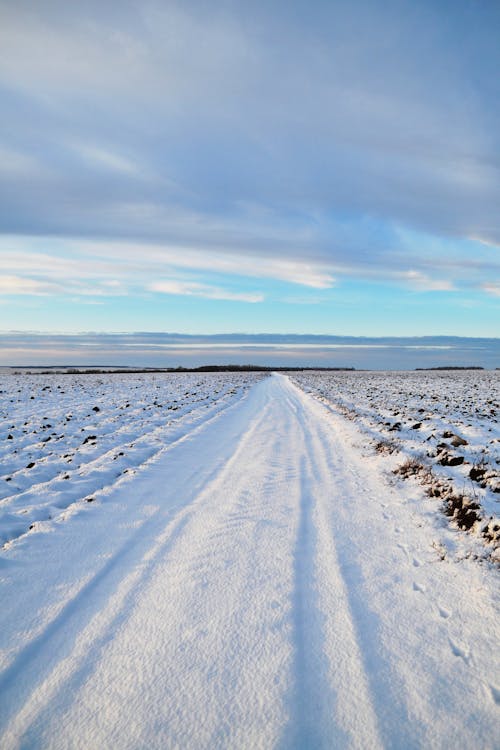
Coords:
312,168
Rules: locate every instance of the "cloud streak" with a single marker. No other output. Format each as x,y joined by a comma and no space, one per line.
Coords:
492,288
193,289
155,140
20,285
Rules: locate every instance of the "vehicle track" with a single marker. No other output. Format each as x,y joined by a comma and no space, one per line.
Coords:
265,600
90,477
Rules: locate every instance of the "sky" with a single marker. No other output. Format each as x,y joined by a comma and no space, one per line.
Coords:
313,168
272,350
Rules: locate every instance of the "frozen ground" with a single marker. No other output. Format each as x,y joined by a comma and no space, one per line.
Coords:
260,581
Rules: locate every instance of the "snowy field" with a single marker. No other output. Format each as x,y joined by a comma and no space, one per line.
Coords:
71,438
230,561
442,427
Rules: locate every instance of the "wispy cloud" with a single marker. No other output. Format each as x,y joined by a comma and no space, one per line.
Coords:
27,286
133,262
194,289
281,269
492,288
422,283
107,159
22,285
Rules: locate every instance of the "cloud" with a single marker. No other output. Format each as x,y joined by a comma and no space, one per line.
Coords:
294,271
26,285
193,289
118,267
422,283
16,164
486,242
105,159
262,141
492,288
21,285
134,263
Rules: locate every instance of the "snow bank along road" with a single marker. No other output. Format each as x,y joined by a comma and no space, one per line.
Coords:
259,584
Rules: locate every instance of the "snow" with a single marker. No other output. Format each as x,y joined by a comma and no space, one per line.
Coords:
259,581
80,435
435,418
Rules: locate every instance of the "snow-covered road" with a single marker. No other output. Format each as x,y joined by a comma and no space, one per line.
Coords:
261,584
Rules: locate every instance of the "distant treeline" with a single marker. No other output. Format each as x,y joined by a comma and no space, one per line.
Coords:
450,367
202,368
256,368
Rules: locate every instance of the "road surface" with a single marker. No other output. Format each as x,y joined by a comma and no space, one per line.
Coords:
259,585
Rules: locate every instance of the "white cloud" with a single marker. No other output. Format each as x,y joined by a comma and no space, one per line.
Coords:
422,283
112,284
484,241
21,285
18,258
493,288
193,289
57,286
293,271
77,259
106,158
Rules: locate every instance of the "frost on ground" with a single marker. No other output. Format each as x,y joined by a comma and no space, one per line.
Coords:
256,583
442,428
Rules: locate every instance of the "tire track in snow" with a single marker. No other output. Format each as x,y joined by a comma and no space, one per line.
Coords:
370,706
421,694
58,655
61,653
334,705
249,614
249,610
215,672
